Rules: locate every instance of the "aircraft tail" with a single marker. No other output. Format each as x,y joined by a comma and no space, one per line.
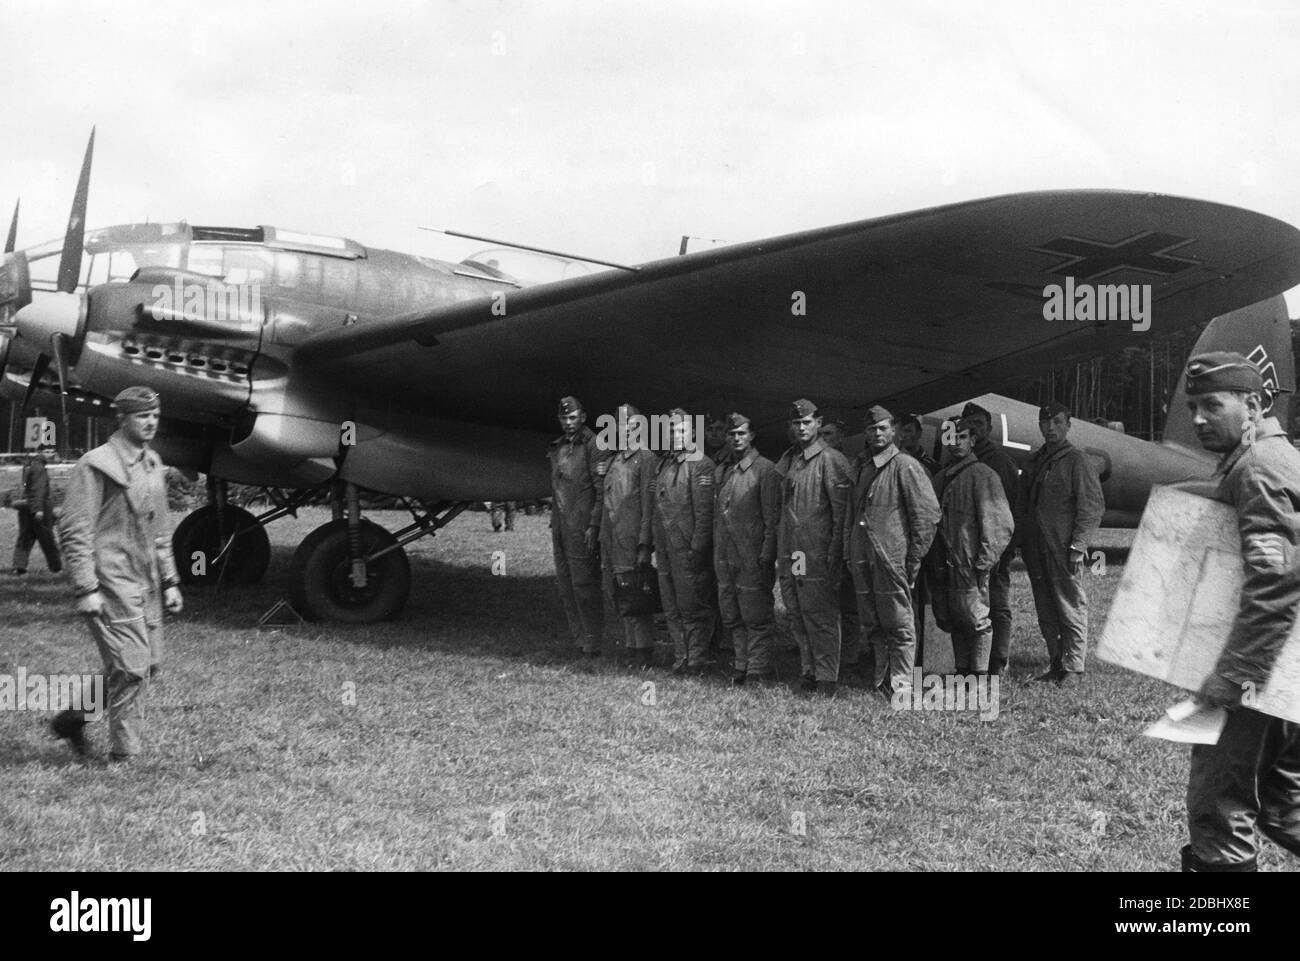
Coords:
1262,332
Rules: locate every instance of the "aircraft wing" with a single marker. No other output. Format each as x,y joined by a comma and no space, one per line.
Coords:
916,309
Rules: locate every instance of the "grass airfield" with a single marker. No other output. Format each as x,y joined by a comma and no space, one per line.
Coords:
461,737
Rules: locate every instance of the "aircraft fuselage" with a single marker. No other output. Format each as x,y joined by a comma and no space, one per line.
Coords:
209,317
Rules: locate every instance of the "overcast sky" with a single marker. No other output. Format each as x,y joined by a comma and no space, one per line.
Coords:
611,129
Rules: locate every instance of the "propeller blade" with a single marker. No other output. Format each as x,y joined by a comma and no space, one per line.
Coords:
42,365
59,344
13,230
74,240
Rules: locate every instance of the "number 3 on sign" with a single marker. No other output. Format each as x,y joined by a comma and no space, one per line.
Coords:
40,433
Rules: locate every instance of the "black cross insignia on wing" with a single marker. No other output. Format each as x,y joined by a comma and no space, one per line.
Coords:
1149,252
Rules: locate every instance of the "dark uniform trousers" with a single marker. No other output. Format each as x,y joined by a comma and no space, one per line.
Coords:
1250,779
31,531
577,488
920,598
577,572
850,622
717,639
36,492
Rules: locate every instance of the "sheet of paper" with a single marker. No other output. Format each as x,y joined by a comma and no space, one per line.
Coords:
1178,596
1189,723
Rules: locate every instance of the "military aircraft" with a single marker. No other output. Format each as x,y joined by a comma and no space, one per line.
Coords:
365,369
1129,466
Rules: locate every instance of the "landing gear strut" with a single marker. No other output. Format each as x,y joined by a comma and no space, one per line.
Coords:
352,570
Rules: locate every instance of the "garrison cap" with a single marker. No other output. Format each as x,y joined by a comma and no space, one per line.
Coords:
875,414
570,405
678,414
133,400
958,424
1051,409
737,422
975,410
711,419
802,408
910,420
1222,370
627,410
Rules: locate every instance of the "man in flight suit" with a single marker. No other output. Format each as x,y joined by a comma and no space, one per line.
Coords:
625,528
575,528
1250,778
36,516
908,440
973,532
888,531
718,450
991,455
833,434
810,547
716,446
117,540
745,517
683,539
1060,509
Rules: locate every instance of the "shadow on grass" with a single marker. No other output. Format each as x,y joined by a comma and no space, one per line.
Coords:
456,606
49,752
452,608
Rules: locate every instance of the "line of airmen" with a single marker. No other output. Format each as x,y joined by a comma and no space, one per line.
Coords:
855,546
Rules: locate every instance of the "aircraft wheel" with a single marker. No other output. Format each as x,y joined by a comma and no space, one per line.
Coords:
321,586
246,561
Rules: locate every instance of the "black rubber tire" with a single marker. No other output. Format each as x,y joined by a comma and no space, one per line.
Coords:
247,560
319,582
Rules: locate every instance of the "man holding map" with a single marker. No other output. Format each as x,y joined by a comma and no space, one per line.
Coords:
1251,778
